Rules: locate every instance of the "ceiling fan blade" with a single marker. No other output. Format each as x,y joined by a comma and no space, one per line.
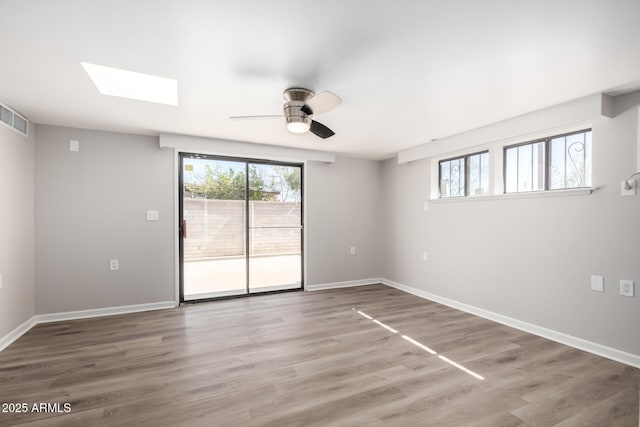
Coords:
323,102
320,130
267,116
306,109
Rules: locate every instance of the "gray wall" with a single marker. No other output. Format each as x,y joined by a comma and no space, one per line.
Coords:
16,229
530,259
343,210
91,207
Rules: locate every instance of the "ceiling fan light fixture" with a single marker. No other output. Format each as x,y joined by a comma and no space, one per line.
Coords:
301,106
298,124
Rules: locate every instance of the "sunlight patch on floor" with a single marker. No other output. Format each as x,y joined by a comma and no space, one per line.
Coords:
421,346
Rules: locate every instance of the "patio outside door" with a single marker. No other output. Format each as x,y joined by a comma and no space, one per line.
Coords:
240,227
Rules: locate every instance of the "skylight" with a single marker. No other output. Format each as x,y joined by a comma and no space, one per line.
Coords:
133,85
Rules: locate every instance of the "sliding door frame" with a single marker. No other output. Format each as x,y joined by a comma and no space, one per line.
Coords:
180,216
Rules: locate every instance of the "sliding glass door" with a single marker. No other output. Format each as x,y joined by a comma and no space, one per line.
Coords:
275,227
240,227
213,228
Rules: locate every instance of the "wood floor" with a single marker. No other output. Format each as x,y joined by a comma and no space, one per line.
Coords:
307,359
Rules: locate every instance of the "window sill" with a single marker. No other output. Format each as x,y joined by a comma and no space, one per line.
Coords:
528,195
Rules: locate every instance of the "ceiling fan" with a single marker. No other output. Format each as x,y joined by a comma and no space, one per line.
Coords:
302,104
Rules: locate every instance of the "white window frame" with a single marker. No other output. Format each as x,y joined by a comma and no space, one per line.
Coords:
496,165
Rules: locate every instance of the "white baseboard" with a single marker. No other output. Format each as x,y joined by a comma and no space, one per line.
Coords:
579,343
16,333
347,284
81,314
99,312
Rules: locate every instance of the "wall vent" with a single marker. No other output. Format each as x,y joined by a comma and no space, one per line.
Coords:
14,120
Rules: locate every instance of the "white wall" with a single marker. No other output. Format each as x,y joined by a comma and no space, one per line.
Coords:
529,259
16,229
343,204
91,207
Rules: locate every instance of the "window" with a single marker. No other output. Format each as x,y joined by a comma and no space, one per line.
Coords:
570,161
524,167
557,162
465,175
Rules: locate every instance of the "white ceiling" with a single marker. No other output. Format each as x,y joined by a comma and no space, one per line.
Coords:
408,71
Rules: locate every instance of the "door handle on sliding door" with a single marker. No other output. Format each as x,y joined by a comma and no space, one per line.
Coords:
183,229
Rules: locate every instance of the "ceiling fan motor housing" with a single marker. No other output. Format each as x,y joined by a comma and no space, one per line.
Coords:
297,120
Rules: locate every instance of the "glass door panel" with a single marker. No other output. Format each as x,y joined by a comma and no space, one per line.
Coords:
213,228
275,227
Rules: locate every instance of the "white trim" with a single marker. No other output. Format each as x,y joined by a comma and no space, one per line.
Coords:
347,284
496,164
80,314
568,115
108,311
566,192
225,147
8,339
579,343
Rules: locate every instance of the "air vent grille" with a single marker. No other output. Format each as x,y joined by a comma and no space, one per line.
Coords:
19,124
6,116
14,120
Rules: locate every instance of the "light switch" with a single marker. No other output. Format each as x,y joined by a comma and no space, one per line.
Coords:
114,265
597,283
0,281
74,145
153,215
425,206
352,250
425,256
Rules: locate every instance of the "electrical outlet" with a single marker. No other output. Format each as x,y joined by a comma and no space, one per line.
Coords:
153,215
631,191
114,265
626,288
74,145
425,206
0,281
597,283
352,250
425,256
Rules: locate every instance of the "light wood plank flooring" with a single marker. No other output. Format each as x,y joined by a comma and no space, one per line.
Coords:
307,359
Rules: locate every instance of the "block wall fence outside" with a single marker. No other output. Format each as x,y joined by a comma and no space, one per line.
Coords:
216,227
